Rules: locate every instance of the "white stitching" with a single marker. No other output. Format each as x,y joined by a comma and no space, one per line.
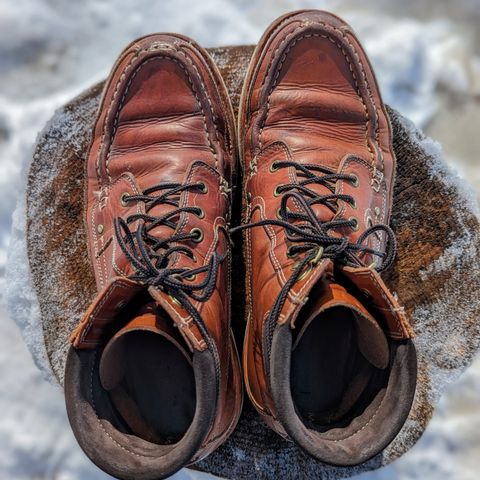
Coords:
280,66
98,419
127,88
382,293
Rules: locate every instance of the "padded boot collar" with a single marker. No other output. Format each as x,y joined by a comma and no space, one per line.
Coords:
370,337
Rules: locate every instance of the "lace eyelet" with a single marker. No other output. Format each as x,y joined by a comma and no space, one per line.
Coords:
124,199
318,256
191,278
355,180
355,225
366,292
120,305
100,228
198,232
203,187
279,209
377,211
305,272
200,213
273,167
276,192
353,204
175,300
290,254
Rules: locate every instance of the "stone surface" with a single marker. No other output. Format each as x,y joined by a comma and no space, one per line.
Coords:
436,274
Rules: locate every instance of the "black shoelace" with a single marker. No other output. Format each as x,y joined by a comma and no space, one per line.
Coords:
150,255
311,236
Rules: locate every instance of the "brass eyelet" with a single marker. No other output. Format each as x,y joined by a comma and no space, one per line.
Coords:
120,305
200,213
199,234
100,228
353,204
366,292
249,197
355,180
190,278
317,257
290,254
273,167
276,192
279,216
175,300
203,187
305,272
123,199
377,211
356,225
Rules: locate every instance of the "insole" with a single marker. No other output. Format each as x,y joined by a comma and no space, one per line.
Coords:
328,372
156,397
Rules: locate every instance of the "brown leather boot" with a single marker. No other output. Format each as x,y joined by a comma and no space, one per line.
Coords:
328,359
153,381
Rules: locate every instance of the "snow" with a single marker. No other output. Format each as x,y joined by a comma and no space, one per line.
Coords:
420,59
50,50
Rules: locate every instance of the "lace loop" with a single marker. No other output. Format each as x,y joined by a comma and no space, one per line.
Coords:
150,255
309,231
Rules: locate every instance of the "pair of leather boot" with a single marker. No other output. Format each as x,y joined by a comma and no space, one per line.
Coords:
153,380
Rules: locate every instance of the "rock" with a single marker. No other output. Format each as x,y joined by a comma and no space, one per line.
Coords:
436,274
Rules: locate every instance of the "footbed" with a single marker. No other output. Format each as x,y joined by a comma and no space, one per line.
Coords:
156,397
329,376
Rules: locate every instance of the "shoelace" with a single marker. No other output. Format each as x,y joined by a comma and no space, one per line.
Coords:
150,255
311,236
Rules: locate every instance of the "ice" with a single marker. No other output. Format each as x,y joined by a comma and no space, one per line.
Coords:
49,51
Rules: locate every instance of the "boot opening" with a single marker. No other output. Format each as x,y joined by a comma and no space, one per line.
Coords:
149,378
333,376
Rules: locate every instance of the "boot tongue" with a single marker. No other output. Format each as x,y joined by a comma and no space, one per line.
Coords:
150,319
371,339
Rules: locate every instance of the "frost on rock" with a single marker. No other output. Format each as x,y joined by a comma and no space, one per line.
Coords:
446,348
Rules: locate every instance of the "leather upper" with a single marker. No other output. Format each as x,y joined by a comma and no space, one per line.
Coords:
165,118
311,98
